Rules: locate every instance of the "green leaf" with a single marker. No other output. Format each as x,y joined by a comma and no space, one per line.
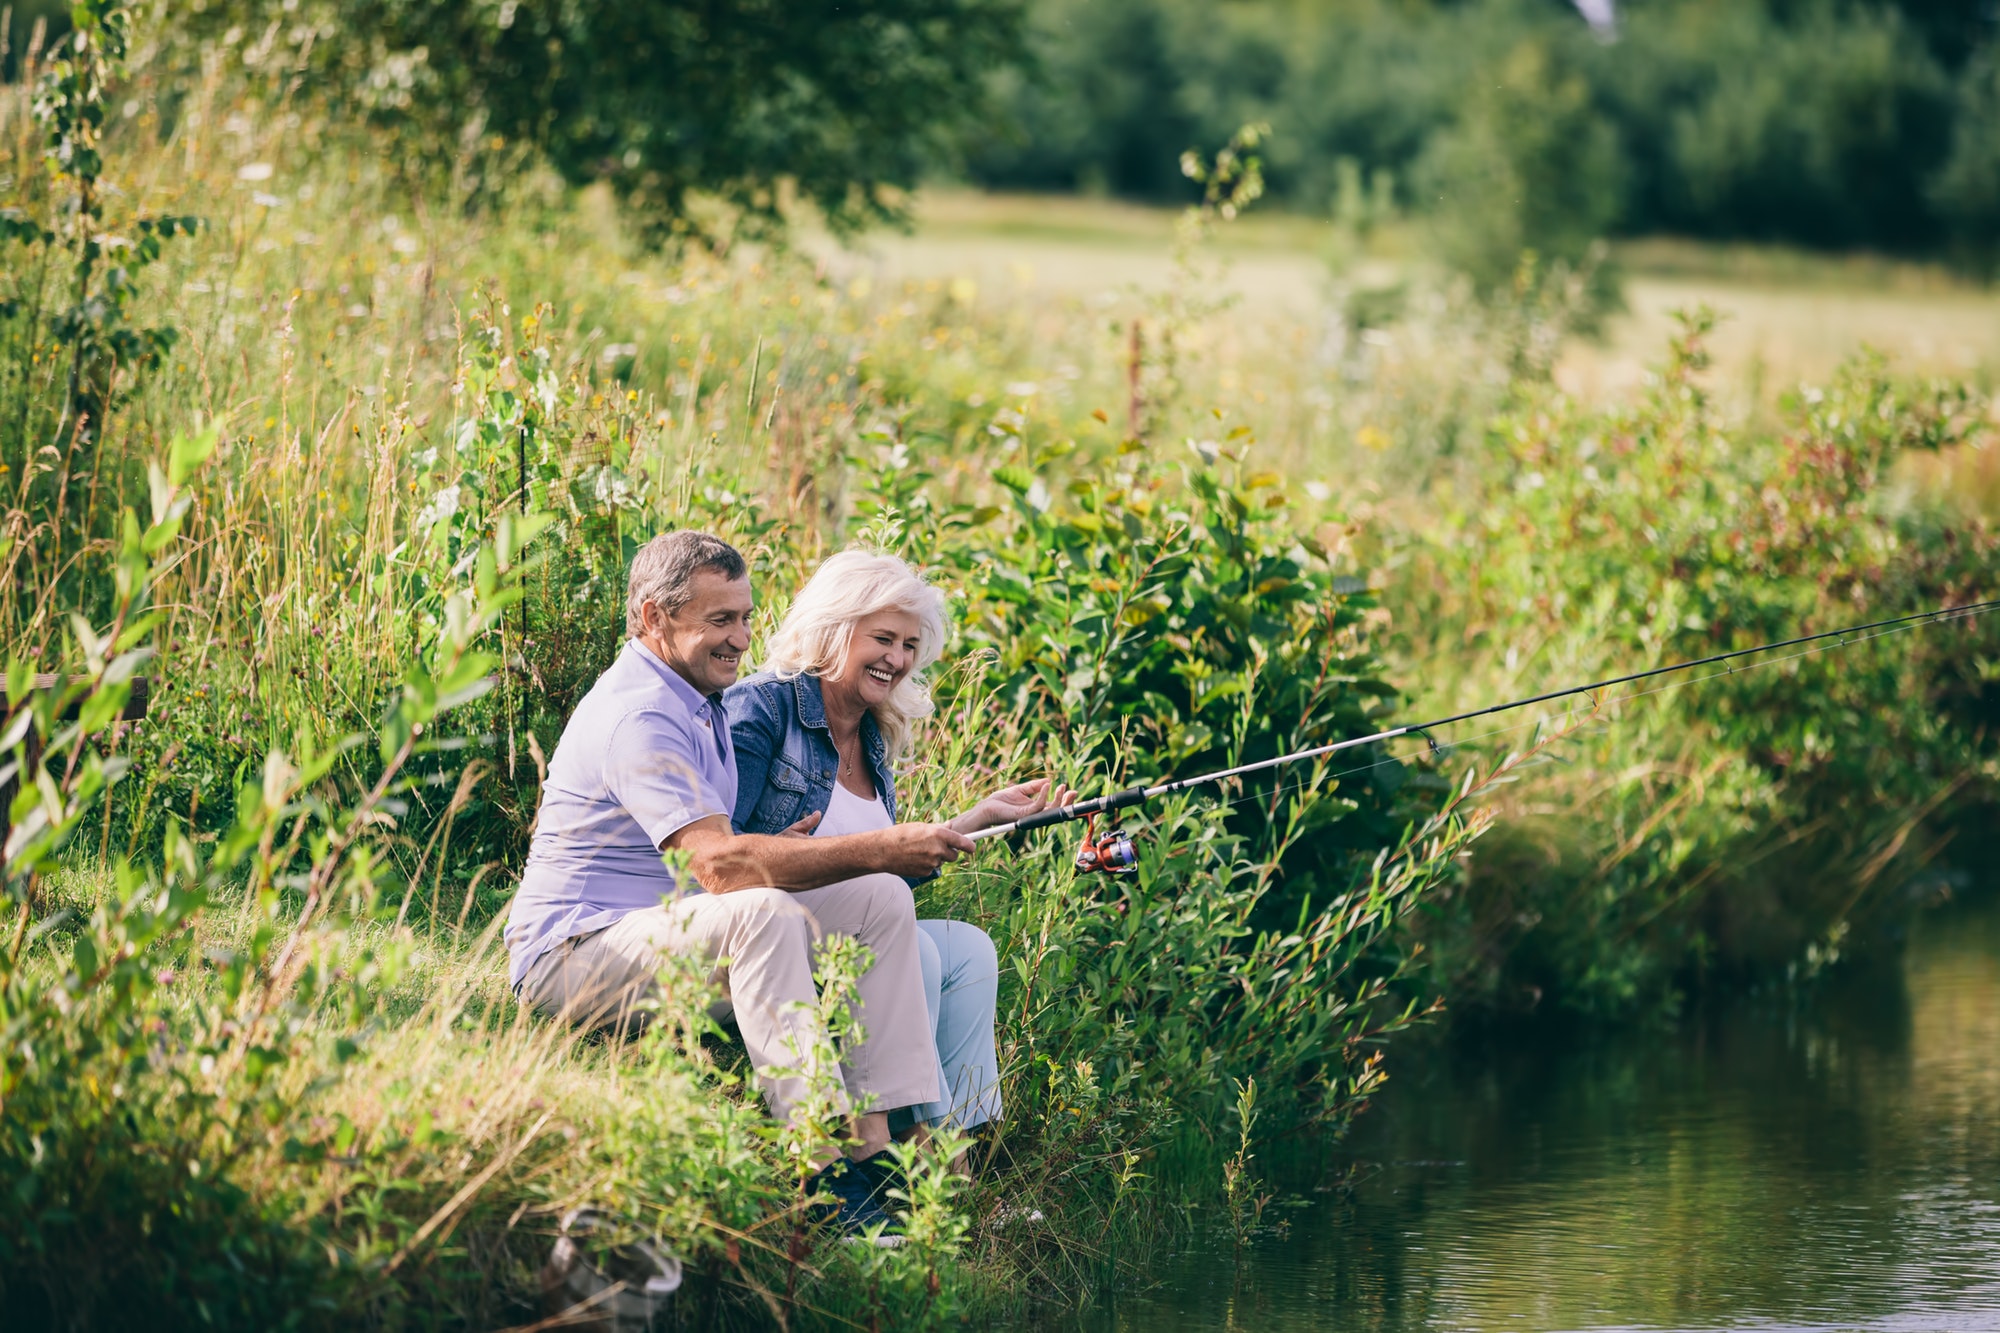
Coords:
83,955
517,531
187,453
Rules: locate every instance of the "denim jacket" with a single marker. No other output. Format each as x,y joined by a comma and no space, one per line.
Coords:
785,761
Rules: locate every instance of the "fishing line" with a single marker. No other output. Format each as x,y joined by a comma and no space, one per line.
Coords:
1562,719
1116,852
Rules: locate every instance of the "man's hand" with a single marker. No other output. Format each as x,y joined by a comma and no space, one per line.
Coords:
916,850
1013,803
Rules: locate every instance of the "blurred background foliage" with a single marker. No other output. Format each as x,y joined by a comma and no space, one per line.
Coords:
750,104
1819,122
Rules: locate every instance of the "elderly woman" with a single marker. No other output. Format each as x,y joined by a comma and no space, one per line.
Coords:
817,733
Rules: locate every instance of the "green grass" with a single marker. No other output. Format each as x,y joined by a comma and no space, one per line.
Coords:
1788,315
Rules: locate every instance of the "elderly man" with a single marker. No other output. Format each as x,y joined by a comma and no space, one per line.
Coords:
645,766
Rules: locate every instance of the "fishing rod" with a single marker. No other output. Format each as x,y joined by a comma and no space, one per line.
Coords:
1115,854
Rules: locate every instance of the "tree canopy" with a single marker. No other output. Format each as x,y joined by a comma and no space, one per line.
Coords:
665,100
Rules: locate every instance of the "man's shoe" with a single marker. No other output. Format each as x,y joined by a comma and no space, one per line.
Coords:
884,1173
850,1190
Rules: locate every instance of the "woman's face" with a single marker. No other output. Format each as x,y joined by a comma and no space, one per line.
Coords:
882,651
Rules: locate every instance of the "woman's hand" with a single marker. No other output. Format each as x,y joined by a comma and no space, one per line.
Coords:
1010,804
803,828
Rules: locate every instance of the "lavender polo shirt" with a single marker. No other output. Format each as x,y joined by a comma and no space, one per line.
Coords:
643,756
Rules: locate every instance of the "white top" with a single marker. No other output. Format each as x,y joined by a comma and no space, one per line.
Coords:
848,813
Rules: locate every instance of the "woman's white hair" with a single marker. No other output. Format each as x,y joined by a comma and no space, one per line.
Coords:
846,589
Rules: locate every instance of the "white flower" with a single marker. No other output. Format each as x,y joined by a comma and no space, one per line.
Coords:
442,506
254,171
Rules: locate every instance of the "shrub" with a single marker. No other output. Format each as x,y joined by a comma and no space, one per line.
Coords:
1743,825
1529,166
1167,623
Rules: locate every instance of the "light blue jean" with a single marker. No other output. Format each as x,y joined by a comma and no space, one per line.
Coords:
961,988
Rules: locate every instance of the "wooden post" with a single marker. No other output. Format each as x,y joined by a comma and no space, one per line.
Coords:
135,708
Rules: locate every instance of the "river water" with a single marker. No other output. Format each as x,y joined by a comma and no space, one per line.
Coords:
1830,1167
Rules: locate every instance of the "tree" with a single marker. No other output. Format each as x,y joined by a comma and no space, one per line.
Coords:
1530,165
666,100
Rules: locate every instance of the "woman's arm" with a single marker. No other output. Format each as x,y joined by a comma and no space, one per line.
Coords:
755,732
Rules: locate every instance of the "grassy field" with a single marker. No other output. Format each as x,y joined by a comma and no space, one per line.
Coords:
1788,316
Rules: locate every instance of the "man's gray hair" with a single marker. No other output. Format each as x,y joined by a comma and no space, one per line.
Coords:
663,572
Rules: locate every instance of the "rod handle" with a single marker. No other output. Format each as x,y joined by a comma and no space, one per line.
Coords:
1117,800
1052,815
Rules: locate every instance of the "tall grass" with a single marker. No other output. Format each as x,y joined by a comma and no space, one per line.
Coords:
253,983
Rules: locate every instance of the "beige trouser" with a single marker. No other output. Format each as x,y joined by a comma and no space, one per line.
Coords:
761,941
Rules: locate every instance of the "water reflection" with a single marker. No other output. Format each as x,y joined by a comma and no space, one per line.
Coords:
1837,1170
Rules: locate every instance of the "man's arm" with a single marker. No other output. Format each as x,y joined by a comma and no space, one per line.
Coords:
721,860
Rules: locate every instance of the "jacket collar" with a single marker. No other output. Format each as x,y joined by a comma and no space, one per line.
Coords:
812,704
812,713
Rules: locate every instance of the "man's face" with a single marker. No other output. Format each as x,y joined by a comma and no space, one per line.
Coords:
705,640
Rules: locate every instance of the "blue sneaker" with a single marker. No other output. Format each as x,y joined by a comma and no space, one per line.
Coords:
850,1191
884,1173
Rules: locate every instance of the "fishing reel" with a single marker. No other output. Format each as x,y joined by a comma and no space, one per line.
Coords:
1113,853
